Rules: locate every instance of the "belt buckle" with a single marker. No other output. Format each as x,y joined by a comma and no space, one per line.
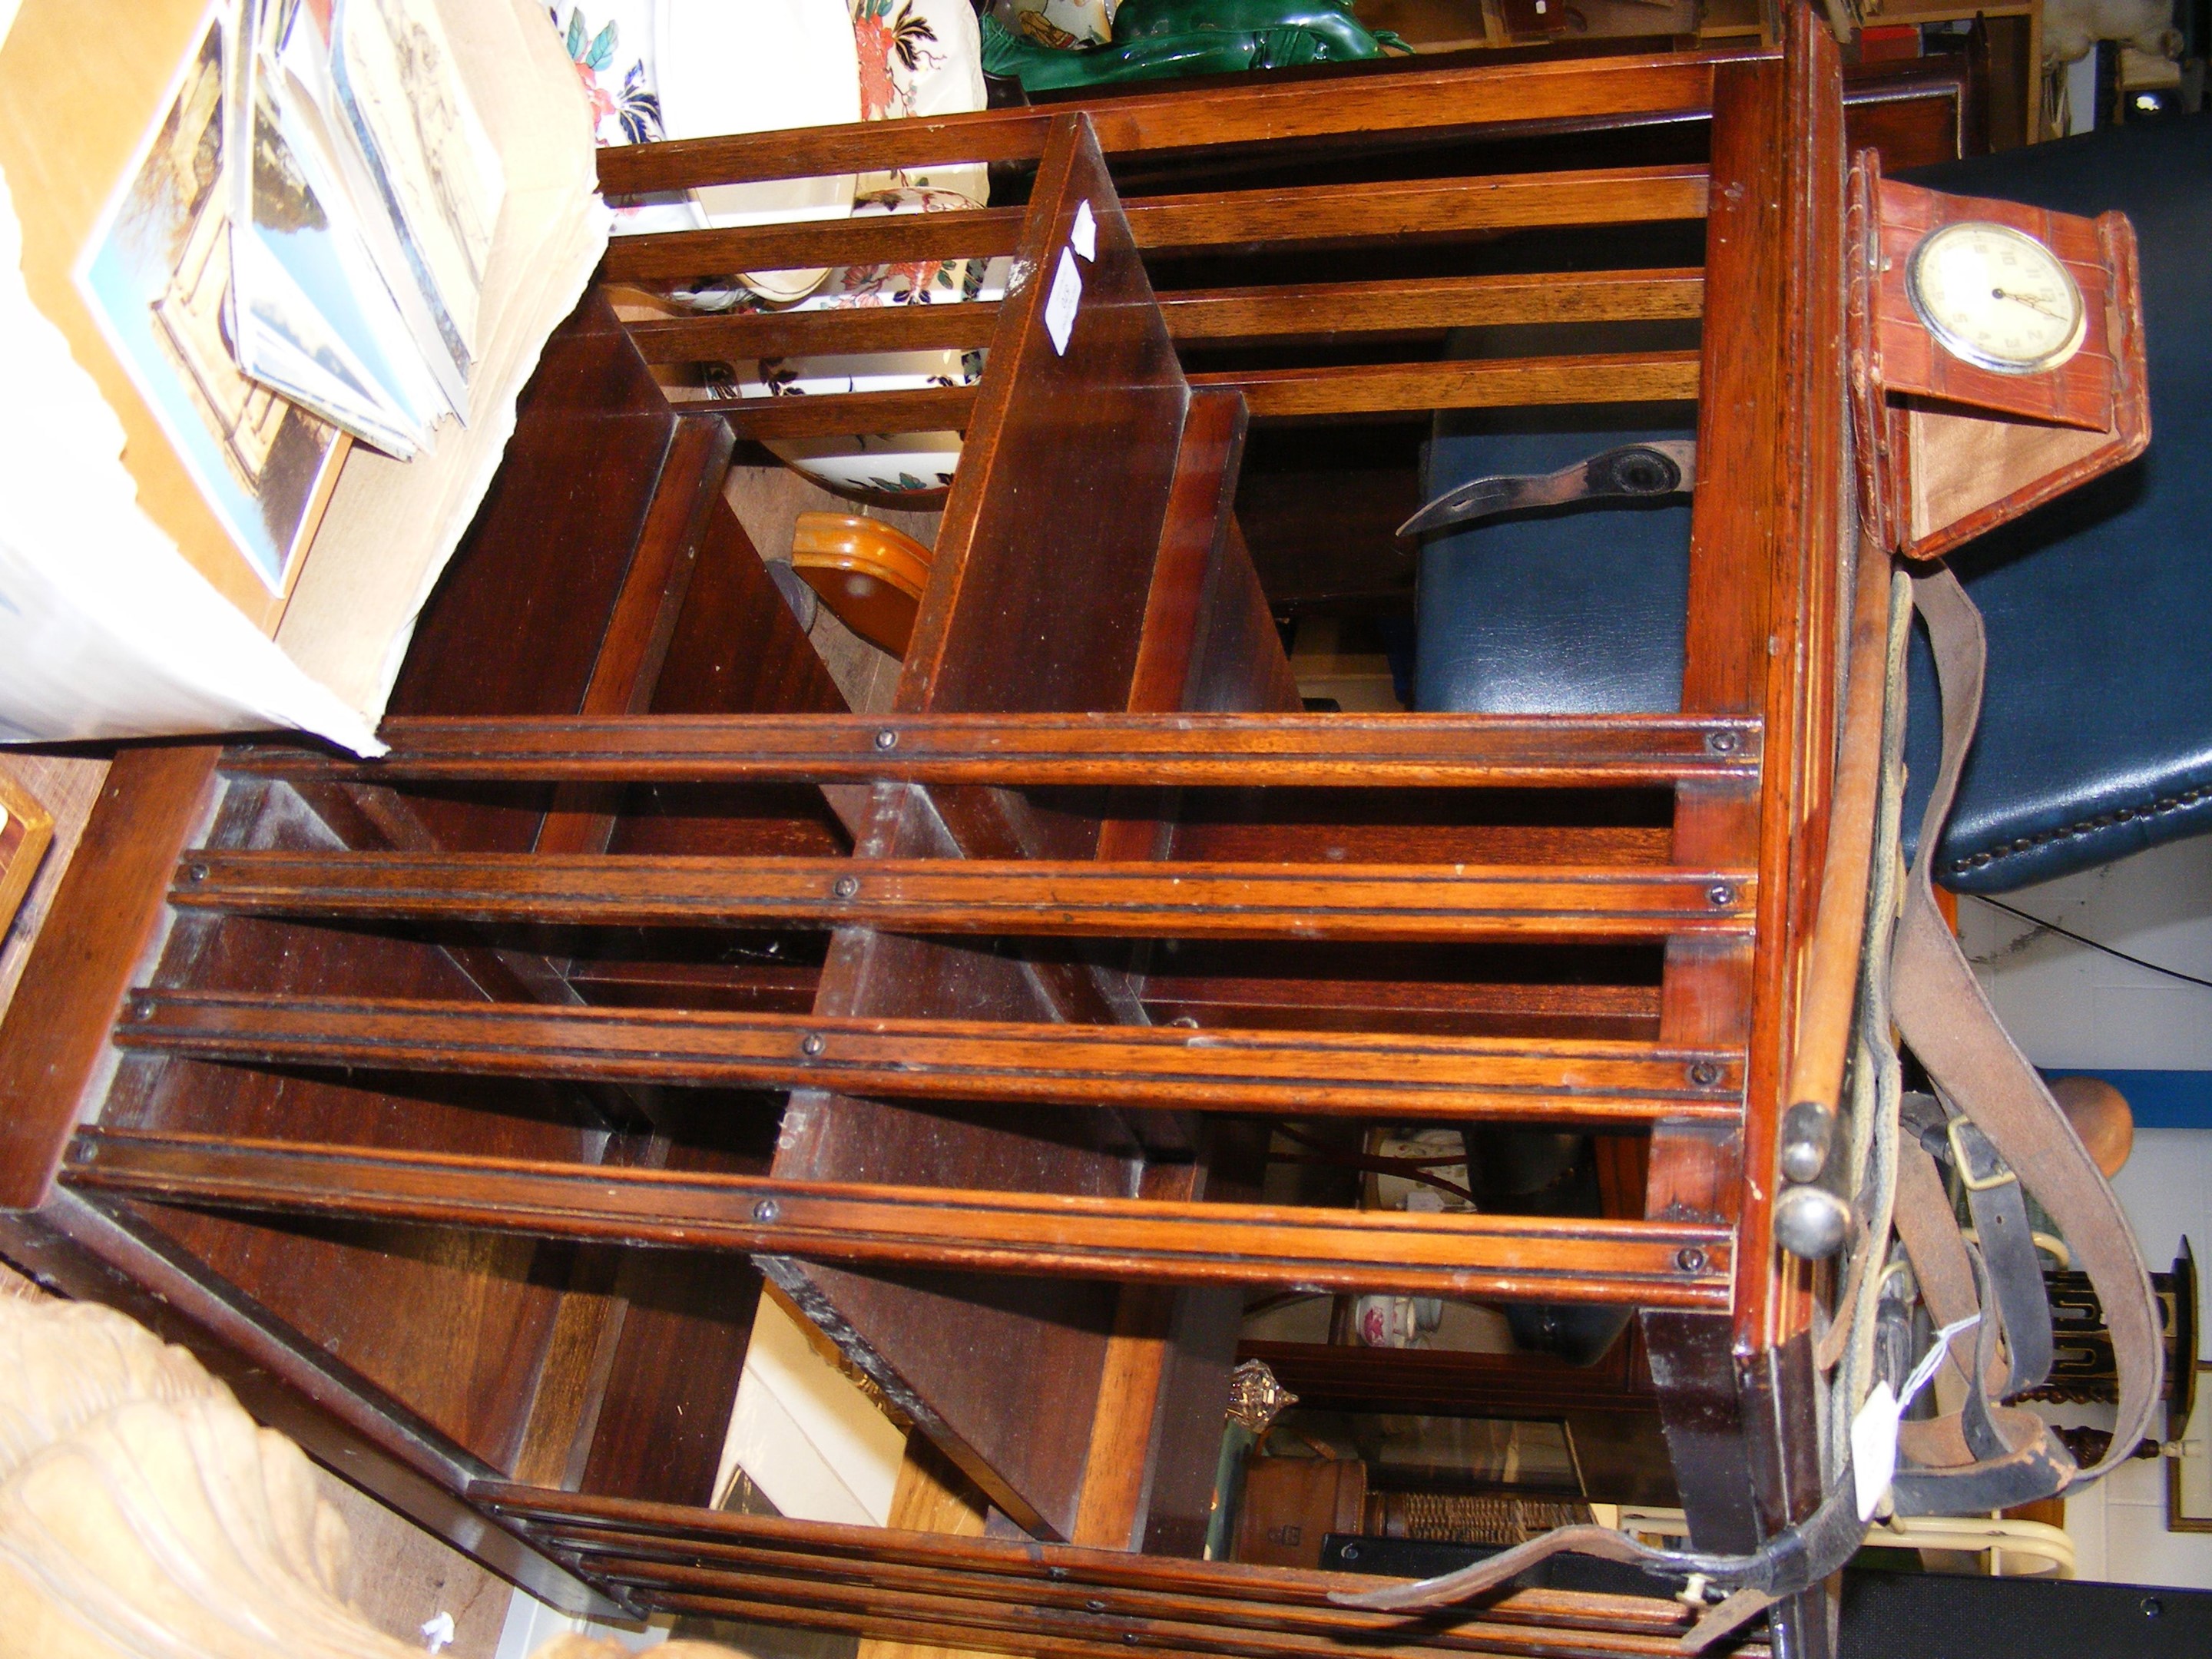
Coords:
1964,1164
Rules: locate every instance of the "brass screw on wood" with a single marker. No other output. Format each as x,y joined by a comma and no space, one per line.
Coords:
811,1044
1705,1074
846,886
1690,1259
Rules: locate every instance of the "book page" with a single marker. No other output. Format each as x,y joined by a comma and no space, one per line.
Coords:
391,528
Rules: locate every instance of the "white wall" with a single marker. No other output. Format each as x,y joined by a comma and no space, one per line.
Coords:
2070,1006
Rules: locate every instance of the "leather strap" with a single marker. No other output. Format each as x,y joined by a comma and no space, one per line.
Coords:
1999,1207
1664,466
1947,1021
1987,1456
1996,1119
1791,1561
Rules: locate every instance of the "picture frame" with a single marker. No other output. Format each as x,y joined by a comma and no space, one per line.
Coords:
2189,1465
27,829
154,276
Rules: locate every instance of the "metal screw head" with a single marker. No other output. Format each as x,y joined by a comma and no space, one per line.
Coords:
1724,742
887,739
195,872
142,1011
1129,1638
1705,1074
1690,1259
811,1044
1094,1605
1721,893
767,1210
846,886
2152,1606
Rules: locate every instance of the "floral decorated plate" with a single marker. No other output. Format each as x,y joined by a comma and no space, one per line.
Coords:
921,57
757,67
915,468
611,44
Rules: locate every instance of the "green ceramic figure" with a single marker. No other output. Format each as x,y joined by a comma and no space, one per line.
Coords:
1191,37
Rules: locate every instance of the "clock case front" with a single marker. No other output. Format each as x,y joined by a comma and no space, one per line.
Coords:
1950,449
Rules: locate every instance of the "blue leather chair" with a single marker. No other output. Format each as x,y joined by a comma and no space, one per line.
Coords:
2096,734
2096,738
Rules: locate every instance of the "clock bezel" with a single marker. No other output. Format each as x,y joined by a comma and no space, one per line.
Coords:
1949,449
1969,351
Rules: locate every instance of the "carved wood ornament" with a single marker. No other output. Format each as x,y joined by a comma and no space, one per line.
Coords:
144,1515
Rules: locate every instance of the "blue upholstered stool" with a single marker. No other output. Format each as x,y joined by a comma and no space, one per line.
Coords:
2096,738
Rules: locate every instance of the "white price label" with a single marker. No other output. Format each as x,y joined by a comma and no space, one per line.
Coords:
1873,1431
1084,239
1060,305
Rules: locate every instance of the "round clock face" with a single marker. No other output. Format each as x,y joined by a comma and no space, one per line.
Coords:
1997,297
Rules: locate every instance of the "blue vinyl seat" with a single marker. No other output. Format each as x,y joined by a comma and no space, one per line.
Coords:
2096,738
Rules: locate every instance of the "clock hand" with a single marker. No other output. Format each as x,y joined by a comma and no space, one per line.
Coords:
2025,299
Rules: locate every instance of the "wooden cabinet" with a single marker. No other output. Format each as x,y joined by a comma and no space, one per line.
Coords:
2011,47
450,1103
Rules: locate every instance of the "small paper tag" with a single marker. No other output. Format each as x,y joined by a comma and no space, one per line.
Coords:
1084,239
1059,304
1873,1431
1874,1447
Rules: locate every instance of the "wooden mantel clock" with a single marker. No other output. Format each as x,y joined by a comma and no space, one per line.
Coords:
1996,355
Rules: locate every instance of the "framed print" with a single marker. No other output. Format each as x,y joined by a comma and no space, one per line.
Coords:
2189,1467
26,829
155,275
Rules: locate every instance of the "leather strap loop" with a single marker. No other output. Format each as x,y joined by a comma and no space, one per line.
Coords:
1988,1455
1947,1021
1998,1205
2002,1233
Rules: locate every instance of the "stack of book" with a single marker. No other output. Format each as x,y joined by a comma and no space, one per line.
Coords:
273,274
364,203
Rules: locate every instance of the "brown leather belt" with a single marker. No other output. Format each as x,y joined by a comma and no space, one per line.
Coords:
1984,1082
